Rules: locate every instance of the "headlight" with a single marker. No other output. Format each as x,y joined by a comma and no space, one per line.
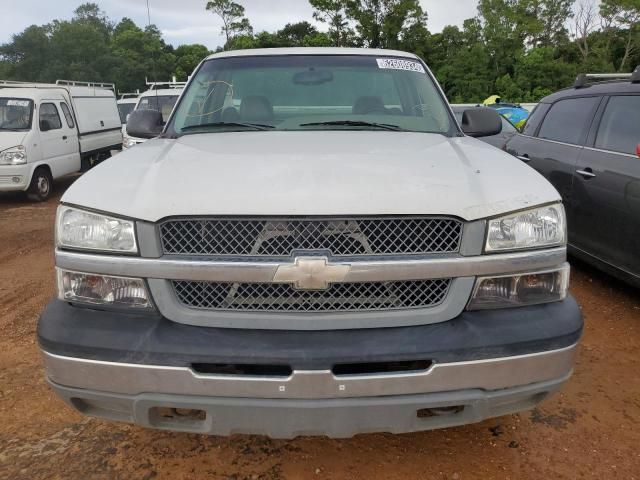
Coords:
540,227
92,231
92,289
520,290
13,156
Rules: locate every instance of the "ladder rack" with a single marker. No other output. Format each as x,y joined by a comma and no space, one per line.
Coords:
74,83
125,95
170,84
58,84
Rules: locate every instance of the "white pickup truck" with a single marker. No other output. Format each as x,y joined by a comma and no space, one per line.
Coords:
51,130
312,246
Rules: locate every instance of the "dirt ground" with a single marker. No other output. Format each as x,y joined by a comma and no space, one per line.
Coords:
590,430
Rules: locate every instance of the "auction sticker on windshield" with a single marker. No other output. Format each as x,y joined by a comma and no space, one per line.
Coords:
18,103
397,64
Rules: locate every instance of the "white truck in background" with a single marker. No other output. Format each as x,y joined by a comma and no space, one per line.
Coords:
161,97
51,130
126,104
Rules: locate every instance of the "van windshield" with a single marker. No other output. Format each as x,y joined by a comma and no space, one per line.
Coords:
15,113
312,92
160,103
125,109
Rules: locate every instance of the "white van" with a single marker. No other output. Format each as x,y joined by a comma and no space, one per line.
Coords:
161,96
51,130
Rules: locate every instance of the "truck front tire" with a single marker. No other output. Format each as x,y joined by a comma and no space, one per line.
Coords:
41,185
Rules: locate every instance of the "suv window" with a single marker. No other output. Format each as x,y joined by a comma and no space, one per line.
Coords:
535,118
507,126
49,114
568,120
620,125
67,115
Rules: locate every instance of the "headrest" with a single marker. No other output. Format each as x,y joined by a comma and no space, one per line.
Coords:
256,108
366,105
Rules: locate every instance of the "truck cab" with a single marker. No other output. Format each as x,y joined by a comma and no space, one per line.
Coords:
51,130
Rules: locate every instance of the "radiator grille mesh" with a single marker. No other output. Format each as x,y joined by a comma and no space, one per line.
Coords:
283,237
339,297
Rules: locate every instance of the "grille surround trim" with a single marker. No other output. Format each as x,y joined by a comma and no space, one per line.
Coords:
338,298
338,237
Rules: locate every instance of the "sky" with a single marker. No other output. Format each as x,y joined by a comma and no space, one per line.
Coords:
187,21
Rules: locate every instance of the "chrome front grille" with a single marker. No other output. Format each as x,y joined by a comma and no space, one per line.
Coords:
339,297
271,237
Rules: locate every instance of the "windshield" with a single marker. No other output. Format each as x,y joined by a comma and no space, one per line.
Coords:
161,103
15,113
311,92
125,109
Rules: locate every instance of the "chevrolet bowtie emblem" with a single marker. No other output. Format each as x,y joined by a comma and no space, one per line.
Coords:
311,273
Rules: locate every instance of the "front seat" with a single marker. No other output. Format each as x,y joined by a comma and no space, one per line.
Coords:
255,108
365,105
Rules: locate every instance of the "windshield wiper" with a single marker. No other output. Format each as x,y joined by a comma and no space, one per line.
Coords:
355,123
254,126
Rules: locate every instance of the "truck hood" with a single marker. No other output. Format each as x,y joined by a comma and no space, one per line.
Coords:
311,173
10,139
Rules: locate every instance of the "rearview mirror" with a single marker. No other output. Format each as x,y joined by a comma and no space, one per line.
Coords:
144,124
313,77
481,122
44,126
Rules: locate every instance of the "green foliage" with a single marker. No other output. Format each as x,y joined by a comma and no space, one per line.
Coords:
622,22
293,34
382,23
232,15
90,47
187,59
334,14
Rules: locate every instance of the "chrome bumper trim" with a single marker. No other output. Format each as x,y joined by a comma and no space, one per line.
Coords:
264,272
133,379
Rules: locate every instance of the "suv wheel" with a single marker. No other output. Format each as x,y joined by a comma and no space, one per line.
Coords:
41,185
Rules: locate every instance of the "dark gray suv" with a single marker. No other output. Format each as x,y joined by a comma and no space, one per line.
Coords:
585,141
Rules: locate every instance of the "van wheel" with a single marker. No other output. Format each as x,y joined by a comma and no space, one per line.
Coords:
87,163
41,185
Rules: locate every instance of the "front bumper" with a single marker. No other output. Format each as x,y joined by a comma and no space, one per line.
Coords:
126,366
289,418
15,177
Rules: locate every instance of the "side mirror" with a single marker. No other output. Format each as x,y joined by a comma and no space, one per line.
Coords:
44,126
481,122
144,124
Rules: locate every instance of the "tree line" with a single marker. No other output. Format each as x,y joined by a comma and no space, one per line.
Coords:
518,49
91,47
